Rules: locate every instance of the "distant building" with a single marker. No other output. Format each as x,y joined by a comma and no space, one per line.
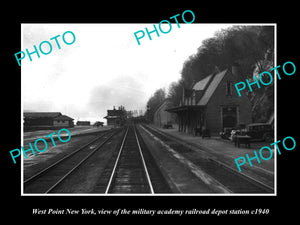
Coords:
83,123
162,117
63,121
46,120
98,124
213,104
116,117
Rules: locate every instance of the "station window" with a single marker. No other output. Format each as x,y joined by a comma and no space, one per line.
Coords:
229,88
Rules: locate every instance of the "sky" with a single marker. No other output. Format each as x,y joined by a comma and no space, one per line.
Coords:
104,67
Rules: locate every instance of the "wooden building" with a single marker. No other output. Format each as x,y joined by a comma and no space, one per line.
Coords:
162,117
83,123
212,104
116,117
46,120
63,121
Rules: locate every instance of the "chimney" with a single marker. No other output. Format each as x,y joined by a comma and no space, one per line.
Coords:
235,70
216,69
183,95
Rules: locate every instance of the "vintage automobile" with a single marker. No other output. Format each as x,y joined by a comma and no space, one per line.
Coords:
260,131
257,132
98,124
167,126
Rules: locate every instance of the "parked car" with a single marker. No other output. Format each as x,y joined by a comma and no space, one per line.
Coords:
167,126
260,131
98,124
257,132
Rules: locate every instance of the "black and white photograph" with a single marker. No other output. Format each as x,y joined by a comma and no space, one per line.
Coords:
108,112
137,112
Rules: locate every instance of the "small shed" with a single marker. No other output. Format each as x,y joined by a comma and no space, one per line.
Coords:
83,123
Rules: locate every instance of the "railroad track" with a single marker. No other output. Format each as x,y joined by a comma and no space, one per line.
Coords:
48,179
234,181
132,169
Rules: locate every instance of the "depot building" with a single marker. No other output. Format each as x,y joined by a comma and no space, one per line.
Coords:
212,104
46,120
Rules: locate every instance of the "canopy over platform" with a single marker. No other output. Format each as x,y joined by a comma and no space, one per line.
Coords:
184,108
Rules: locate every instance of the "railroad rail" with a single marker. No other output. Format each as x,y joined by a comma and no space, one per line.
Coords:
234,181
131,173
49,178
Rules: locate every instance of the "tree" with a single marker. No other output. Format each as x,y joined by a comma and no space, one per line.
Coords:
245,45
154,102
175,92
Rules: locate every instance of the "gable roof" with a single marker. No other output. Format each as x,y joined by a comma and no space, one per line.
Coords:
35,115
200,85
212,87
166,103
62,118
207,86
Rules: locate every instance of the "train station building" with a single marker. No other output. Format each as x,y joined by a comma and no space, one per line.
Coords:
116,117
212,104
162,117
46,120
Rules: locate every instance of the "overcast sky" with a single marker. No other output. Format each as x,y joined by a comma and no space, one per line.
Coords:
104,67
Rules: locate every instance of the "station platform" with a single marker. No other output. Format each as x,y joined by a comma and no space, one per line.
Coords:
226,152
76,130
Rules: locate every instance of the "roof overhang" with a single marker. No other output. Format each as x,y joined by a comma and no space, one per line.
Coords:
185,108
112,117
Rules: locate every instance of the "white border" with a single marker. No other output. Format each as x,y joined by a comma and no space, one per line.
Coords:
22,128
183,194
275,110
